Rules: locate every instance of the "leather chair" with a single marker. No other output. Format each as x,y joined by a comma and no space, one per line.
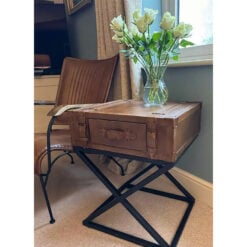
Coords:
42,61
81,82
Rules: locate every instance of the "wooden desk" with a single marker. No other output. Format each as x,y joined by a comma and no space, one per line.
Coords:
128,129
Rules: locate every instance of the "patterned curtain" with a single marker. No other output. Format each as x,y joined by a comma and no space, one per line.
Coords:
128,83
135,69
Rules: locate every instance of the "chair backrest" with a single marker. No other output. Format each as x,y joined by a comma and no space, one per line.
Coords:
85,81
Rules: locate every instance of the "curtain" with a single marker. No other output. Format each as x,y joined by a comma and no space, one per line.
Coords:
135,69
127,82
105,11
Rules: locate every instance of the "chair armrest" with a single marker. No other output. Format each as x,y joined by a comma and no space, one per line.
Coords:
59,110
44,102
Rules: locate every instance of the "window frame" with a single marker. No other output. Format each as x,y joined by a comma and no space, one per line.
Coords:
190,56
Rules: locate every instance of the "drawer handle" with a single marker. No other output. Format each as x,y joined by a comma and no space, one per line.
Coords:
118,134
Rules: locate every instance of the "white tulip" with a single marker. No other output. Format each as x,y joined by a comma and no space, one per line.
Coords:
141,24
136,15
182,30
167,21
117,24
134,31
150,15
117,39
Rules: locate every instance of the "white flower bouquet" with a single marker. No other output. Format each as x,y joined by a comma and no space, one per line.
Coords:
152,50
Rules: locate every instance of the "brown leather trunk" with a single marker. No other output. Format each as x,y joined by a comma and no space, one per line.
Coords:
128,127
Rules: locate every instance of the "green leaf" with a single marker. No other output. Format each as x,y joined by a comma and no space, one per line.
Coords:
147,58
142,39
135,59
126,53
151,45
168,37
156,36
141,48
155,49
175,58
185,43
136,38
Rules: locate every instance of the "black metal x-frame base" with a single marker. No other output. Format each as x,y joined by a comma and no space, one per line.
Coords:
121,194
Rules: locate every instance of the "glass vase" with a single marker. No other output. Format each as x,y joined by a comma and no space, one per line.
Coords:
155,90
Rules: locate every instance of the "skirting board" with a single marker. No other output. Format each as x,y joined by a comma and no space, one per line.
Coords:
201,189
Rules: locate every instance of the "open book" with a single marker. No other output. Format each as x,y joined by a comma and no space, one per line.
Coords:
58,110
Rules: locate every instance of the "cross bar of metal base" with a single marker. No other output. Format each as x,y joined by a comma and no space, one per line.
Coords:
118,196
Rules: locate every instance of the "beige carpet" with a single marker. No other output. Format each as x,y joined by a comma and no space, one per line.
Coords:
75,192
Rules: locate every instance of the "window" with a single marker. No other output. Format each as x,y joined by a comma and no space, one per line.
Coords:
199,14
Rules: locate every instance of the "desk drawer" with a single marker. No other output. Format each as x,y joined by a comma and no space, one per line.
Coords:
118,134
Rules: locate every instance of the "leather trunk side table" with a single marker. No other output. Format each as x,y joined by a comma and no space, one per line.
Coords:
156,135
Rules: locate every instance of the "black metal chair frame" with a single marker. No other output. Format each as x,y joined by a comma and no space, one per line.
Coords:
49,129
45,175
120,195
